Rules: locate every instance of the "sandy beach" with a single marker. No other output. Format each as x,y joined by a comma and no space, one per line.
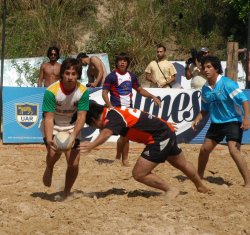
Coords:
107,200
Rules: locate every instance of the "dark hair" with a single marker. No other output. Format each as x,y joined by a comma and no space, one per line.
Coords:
122,56
71,62
95,111
215,62
53,48
82,55
161,45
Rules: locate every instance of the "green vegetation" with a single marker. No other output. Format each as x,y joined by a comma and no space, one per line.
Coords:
134,26
26,72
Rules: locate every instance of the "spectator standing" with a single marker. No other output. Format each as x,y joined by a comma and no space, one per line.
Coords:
161,73
96,71
193,68
119,84
50,71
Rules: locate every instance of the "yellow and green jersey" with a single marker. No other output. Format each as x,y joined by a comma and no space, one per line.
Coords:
65,104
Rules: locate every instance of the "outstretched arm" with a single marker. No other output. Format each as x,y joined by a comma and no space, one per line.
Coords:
101,138
145,93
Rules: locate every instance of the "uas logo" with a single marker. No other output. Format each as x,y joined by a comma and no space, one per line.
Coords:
27,114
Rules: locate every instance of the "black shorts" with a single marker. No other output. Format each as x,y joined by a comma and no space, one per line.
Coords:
76,144
230,130
155,153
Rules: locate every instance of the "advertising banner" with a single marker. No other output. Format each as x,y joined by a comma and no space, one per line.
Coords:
22,113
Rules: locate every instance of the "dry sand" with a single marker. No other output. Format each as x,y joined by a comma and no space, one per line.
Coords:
107,200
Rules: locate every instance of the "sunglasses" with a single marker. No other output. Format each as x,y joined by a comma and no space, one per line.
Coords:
53,54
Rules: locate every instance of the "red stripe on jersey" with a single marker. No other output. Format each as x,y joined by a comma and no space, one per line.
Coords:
139,136
130,116
169,125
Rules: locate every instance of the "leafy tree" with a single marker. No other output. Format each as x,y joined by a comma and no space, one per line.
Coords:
241,6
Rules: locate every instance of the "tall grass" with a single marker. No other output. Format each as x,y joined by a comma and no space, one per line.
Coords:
135,27
34,25
56,26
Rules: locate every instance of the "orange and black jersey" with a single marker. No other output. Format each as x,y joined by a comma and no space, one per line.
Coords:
136,125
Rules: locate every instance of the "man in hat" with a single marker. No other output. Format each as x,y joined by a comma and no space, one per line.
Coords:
96,71
193,69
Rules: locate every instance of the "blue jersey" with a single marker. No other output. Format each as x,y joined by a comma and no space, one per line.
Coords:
120,86
224,101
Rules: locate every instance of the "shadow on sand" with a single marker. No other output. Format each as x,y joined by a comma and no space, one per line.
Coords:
101,194
210,179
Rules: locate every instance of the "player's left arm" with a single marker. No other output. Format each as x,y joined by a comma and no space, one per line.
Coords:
80,121
145,93
238,96
97,63
246,119
82,108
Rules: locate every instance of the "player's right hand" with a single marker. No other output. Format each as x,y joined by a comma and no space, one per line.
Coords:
85,147
195,125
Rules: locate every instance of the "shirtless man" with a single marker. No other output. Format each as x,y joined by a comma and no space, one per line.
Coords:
50,71
96,71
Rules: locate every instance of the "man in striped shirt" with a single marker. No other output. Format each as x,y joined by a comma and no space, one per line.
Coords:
119,85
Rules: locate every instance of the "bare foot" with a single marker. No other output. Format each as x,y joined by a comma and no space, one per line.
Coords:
246,185
125,163
61,196
118,157
203,189
47,177
172,193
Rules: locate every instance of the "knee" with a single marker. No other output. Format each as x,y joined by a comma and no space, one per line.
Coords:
137,176
205,150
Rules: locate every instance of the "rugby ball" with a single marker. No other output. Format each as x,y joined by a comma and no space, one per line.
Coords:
62,141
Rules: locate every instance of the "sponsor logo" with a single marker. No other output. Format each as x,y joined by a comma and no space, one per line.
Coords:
179,107
27,114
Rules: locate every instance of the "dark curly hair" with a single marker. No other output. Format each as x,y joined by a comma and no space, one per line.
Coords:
71,62
95,111
53,48
215,62
122,56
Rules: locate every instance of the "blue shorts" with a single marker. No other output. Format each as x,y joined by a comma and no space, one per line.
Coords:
230,130
158,153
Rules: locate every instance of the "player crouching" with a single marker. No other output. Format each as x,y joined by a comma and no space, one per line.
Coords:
158,136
